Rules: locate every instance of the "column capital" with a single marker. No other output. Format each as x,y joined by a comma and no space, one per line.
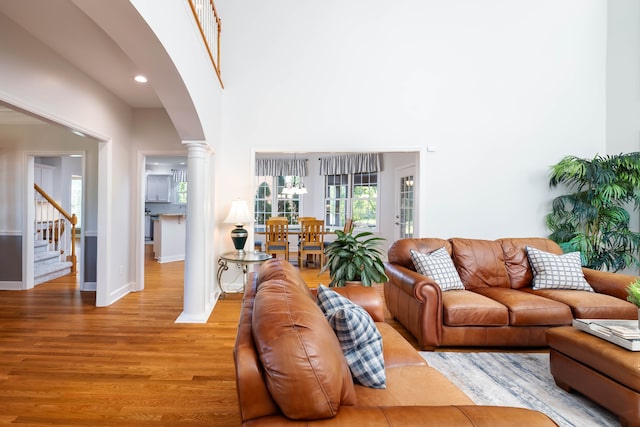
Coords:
197,146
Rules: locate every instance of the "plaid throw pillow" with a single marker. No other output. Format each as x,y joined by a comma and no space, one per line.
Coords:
358,335
552,271
439,266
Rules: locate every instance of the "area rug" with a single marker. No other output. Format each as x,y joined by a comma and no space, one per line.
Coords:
521,380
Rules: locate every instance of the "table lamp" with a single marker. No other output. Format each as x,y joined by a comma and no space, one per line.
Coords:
238,215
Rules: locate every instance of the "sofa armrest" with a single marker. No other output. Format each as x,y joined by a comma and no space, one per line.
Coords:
416,302
366,297
427,416
605,282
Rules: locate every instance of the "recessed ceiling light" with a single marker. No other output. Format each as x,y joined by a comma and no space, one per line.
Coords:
77,132
75,155
140,78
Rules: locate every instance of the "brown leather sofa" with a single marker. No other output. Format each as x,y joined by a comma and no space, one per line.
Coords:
498,306
290,370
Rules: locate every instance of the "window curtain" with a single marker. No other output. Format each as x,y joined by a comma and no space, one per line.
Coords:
179,175
351,163
281,167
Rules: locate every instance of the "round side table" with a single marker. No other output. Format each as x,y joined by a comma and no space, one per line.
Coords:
243,260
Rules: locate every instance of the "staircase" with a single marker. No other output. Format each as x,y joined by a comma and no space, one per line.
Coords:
54,247
47,265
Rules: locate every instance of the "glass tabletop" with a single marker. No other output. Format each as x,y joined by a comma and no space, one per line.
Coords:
245,256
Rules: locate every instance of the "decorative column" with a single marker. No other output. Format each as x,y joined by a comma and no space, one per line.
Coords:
197,302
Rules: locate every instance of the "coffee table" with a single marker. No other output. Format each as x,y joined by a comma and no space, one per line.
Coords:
604,372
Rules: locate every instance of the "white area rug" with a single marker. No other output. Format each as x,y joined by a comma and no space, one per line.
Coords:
520,380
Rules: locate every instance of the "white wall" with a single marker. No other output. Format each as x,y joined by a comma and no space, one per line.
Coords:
502,90
36,79
15,141
623,76
623,80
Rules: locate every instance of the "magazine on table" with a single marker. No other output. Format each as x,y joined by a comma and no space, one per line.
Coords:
624,333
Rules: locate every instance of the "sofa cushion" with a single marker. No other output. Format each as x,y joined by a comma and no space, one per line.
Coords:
396,349
527,309
411,386
438,266
275,268
467,308
304,368
359,338
480,263
551,271
590,305
517,262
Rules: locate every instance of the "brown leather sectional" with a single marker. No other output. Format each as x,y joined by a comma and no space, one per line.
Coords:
290,370
498,307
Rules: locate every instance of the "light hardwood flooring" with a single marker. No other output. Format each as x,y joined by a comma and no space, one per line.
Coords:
64,361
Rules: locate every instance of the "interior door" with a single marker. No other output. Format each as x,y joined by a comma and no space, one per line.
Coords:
405,202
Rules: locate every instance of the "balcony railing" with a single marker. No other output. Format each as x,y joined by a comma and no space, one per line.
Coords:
210,28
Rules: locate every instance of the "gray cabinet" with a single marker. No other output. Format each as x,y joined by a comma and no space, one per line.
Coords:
158,188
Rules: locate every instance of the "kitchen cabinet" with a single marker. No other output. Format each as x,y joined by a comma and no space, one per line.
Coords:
148,227
158,188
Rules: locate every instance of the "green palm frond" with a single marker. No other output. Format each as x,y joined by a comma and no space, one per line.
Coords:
593,218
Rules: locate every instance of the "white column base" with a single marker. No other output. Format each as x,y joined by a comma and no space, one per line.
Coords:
201,317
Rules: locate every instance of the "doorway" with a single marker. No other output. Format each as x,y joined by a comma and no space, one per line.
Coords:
55,215
164,193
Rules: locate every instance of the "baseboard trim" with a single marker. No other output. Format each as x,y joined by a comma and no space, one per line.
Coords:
171,258
11,286
89,287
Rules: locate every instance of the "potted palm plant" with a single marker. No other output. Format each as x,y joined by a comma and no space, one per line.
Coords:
355,258
593,219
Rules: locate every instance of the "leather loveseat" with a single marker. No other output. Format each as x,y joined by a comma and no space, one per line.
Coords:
290,370
498,306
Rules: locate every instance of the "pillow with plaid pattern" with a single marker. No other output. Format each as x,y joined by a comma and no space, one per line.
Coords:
551,271
439,266
358,335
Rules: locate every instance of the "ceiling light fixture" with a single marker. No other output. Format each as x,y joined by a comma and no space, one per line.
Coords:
140,78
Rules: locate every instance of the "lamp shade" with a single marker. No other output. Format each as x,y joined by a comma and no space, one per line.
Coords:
239,213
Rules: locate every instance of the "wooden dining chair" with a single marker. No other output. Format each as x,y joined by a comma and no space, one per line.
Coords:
311,241
348,225
302,219
277,236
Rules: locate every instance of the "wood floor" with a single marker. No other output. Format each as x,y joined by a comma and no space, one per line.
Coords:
65,362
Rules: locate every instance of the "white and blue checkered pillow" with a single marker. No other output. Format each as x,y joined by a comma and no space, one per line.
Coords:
551,271
439,266
358,335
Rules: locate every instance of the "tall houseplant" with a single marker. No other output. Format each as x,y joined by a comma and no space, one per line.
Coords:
355,258
593,219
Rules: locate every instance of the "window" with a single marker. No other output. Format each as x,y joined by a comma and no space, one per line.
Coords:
282,202
181,192
76,198
180,186
352,196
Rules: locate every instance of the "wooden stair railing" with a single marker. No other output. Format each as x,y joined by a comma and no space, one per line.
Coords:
206,15
50,222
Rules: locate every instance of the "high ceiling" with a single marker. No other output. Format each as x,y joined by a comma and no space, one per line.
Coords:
74,36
